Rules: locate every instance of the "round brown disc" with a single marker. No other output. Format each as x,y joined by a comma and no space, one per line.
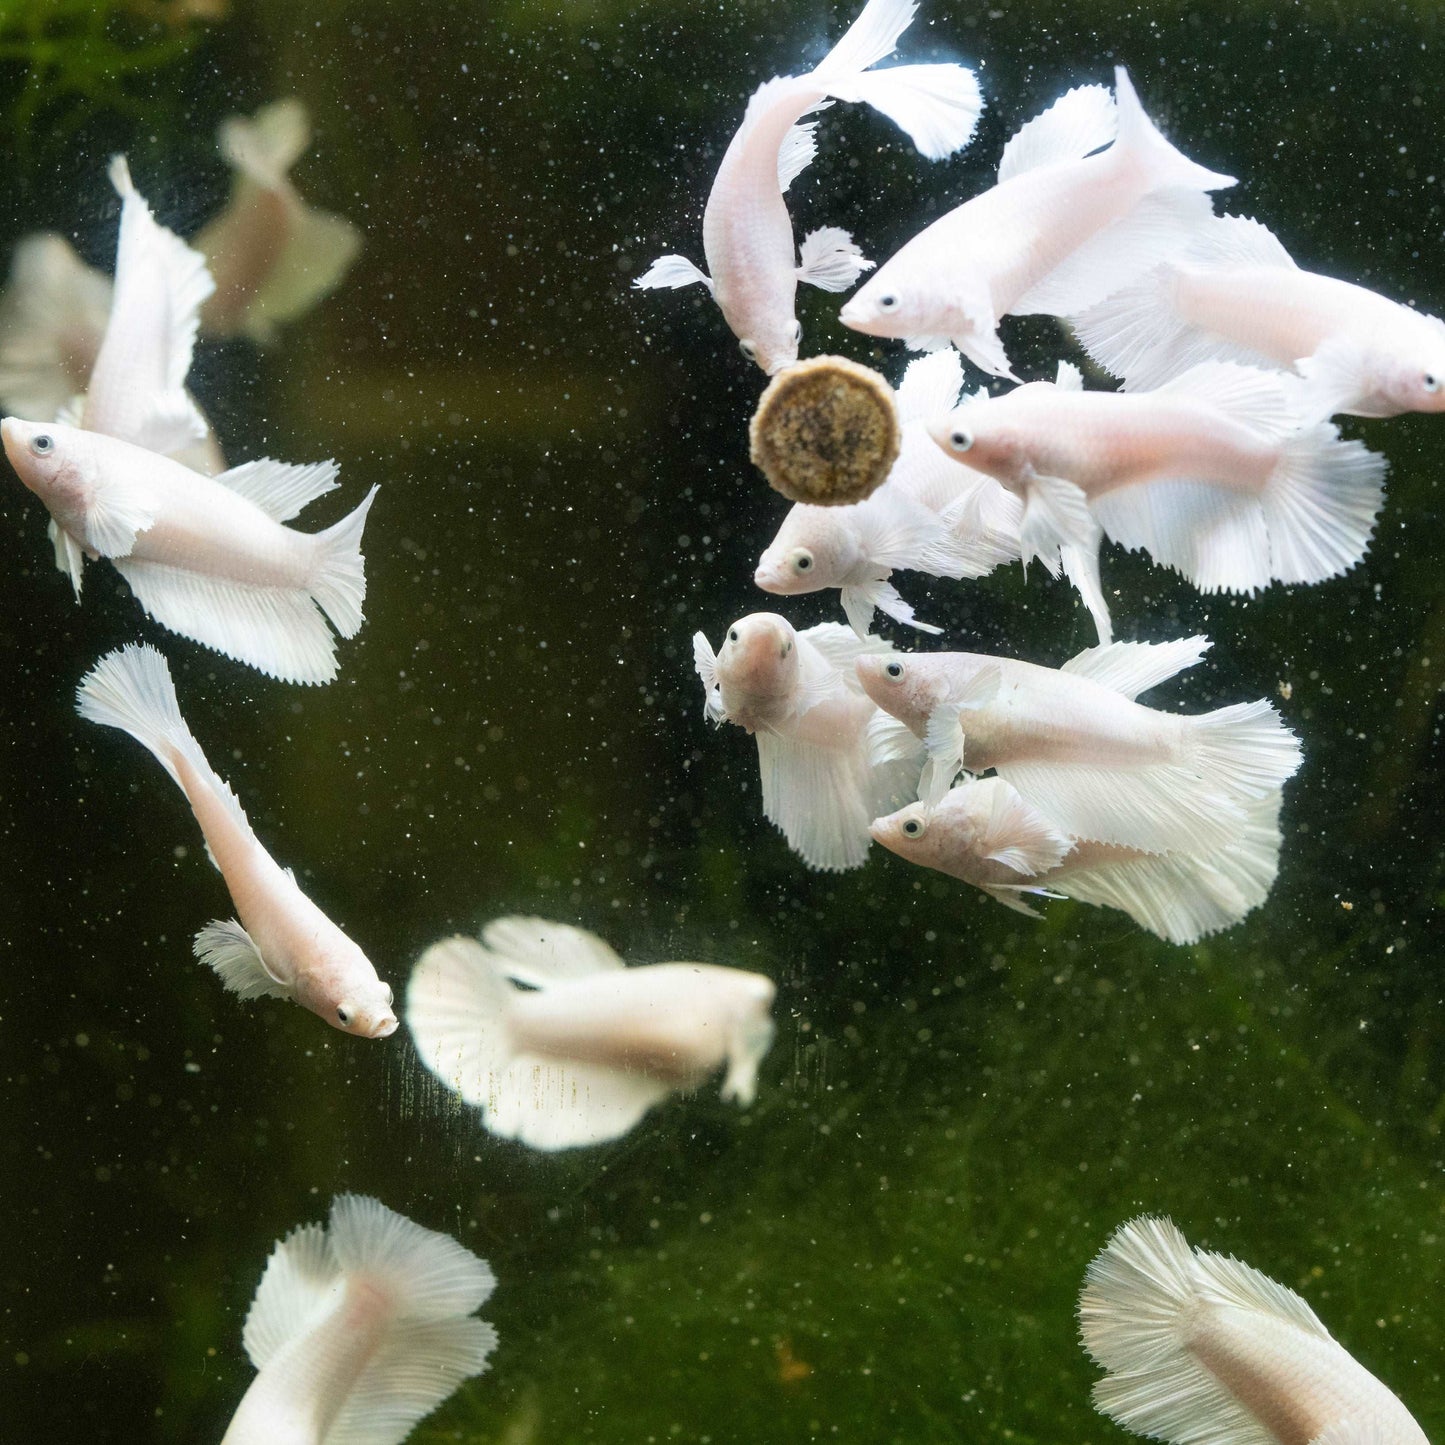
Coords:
825,431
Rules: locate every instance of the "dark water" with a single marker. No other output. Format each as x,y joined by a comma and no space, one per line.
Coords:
960,1105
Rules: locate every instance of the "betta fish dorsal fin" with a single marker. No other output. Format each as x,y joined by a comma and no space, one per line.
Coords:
539,953
281,490
1080,121
930,386
1134,667
295,1292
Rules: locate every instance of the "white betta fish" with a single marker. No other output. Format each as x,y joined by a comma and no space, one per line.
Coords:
747,234
928,516
1201,1349
1210,474
1238,296
360,1329
544,1028
284,946
830,761
1081,751
1061,230
207,557
983,833
273,256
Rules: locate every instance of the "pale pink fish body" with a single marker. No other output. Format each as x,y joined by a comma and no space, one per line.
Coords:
360,1329
1201,1349
829,761
544,1028
984,834
208,557
1061,230
930,515
1080,750
1211,473
284,945
747,231
1238,296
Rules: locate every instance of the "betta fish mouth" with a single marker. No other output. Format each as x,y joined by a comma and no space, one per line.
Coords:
877,831
383,1028
769,580
12,439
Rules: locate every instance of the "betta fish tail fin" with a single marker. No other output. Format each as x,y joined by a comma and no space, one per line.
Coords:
1141,143
1244,752
937,106
339,585
413,1292
263,147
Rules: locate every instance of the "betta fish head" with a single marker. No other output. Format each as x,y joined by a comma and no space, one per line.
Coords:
814,549
889,306
749,1035
57,463
773,341
905,832
977,434
1412,377
906,685
758,661
345,991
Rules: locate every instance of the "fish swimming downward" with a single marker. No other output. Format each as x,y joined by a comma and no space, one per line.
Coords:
929,516
273,256
359,1329
983,833
830,760
284,946
208,557
545,1029
1061,230
1081,751
1203,1350
1211,474
1236,295
746,230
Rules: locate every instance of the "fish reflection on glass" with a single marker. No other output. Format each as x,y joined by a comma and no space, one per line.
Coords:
545,1029
747,232
1201,1349
1081,751
829,759
359,1329
208,557
1211,474
1061,230
284,946
1237,295
273,256
929,516
983,833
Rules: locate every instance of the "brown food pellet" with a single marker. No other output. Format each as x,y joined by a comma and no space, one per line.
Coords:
825,431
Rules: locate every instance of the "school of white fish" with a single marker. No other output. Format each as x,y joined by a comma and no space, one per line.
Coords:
1217,456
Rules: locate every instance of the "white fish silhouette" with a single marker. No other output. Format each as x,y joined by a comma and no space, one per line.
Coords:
830,760
1201,1349
929,516
284,946
1211,474
273,256
1081,751
207,557
359,1329
983,833
542,1027
746,230
1238,296
1061,230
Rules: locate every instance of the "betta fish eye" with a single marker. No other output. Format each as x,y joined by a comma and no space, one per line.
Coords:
733,635
960,439
1430,381
748,349
803,560
390,997
893,669
343,1015
797,332
914,828
888,302
43,444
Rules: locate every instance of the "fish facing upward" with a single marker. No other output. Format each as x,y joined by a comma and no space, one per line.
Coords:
1238,296
273,256
1200,1349
359,1329
929,516
284,946
1061,230
983,833
545,1029
747,233
829,759
1211,474
208,557
1078,748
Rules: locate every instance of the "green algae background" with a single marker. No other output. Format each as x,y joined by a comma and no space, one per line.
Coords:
960,1105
